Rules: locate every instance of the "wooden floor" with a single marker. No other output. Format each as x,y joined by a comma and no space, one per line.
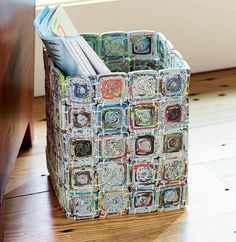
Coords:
33,213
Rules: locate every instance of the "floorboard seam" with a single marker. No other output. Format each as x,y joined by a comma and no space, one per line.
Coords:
211,161
211,124
20,156
29,194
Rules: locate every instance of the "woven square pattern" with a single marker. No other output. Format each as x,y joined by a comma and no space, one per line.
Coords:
118,143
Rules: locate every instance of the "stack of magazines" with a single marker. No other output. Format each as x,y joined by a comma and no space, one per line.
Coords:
69,51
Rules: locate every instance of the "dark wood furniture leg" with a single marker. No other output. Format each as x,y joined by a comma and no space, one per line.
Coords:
16,85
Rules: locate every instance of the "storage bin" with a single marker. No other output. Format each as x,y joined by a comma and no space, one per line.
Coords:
118,143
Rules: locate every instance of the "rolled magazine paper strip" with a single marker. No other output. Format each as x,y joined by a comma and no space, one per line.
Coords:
114,46
161,39
142,44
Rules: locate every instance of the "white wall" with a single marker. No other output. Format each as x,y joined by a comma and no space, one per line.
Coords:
204,31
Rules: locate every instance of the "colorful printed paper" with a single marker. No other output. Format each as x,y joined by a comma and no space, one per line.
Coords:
118,143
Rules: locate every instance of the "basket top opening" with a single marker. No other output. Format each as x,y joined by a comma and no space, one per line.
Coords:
134,51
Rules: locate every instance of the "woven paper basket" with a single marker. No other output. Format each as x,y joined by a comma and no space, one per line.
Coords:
118,143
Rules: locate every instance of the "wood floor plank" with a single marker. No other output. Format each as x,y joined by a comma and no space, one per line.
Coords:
213,142
30,175
213,76
39,218
47,222
225,170
212,109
